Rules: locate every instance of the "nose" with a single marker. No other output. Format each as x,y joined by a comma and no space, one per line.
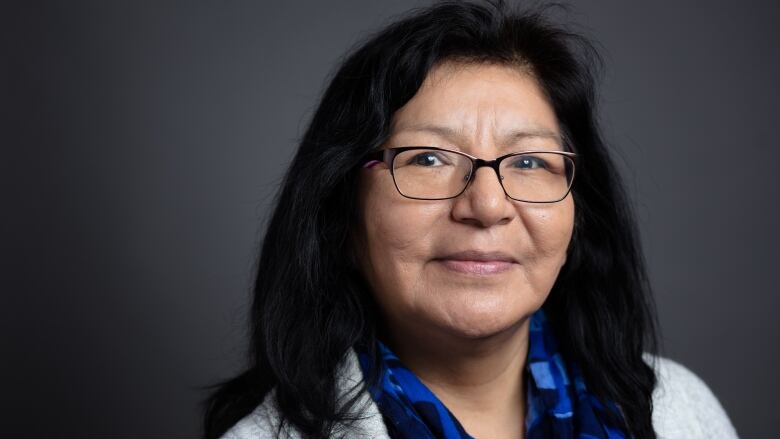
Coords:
484,202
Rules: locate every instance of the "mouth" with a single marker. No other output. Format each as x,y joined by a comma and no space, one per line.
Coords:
477,262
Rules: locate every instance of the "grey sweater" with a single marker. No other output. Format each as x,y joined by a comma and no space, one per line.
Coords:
683,407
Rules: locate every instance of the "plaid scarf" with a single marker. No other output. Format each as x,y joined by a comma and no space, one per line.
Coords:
556,409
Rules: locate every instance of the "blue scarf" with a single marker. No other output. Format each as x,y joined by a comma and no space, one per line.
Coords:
411,410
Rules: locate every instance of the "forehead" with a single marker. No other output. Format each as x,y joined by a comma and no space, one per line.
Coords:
475,101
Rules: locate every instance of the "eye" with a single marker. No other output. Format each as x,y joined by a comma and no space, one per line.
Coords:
427,159
528,162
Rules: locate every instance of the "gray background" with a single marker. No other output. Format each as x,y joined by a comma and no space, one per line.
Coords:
142,143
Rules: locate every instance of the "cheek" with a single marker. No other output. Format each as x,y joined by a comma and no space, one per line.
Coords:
549,229
398,232
398,235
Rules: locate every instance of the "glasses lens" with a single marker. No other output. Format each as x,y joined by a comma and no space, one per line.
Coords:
430,173
537,177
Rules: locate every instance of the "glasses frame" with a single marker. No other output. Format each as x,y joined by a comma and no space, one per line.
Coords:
388,155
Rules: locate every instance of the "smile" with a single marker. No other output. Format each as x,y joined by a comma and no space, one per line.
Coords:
475,267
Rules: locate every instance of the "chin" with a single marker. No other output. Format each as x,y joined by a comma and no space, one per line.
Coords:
485,319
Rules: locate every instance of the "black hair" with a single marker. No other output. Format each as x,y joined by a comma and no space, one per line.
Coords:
311,303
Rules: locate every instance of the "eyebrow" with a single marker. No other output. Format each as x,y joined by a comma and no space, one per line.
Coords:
453,134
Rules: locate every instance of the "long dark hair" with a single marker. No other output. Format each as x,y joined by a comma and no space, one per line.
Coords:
311,303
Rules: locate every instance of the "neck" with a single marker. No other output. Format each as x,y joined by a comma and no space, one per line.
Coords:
481,381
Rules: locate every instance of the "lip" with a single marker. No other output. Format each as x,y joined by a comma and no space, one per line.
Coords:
477,262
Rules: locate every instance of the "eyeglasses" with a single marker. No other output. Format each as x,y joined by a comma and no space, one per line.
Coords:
431,173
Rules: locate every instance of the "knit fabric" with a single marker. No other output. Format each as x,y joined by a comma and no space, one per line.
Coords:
683,408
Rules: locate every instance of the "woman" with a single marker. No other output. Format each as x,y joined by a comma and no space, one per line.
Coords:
452,254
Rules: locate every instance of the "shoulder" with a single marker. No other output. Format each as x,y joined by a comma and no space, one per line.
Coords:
265,420
683,404
683,407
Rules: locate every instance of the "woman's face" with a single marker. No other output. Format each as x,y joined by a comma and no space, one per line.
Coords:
442,265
